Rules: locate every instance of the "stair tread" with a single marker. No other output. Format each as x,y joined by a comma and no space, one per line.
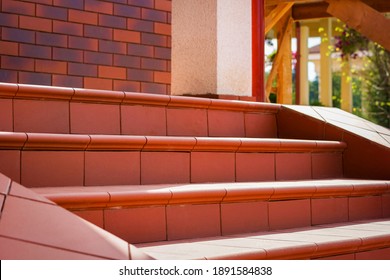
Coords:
298,243
167,194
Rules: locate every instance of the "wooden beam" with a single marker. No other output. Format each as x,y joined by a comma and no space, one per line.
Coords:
276,2
310,11
286,36
304,11
284,75
276,14
363,19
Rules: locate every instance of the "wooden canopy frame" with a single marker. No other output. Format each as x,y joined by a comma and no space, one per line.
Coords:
365,16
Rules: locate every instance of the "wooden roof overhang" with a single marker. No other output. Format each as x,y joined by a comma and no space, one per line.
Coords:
366,16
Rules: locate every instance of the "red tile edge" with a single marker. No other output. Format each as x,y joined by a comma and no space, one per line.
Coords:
88,197
119,97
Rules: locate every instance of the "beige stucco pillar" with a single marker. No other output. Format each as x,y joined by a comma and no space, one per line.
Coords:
304,60
325,78
211,47
346,86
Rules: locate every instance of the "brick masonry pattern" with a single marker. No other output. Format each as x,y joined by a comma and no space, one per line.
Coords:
120,45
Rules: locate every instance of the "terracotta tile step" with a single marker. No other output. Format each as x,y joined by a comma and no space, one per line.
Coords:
140,214
359,240
43,109
42,160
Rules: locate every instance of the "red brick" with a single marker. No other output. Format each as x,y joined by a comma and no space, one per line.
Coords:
83,17
51,39
112,47
154,40
34,23
83,43
97,83
112,21
80,69
162,28
164,5
154,64
18,7
52,12
139,25
69,4
127,61
34,78
163,53
99,6
154,15
142,3
9,48
129,86
140,50
67,81
8,76
127,36
35,51
18,35
140,75
17,63
47,2
154,88
127,11
67,54
9,20
69,28
162,77
112,72
50,66
98,32
98,58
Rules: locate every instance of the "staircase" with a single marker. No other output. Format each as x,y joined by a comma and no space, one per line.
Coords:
198,178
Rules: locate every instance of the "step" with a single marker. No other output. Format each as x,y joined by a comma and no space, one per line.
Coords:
43,109
39,160
153,213
365,240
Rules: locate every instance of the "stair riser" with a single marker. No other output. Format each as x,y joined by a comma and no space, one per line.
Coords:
89,168
53,116
175,222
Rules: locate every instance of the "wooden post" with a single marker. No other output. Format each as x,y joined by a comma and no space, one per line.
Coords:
284,95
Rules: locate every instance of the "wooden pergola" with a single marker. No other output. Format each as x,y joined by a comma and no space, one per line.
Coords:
365,16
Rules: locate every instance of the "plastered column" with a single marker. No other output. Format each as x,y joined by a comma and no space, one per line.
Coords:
304,60
326,65
346,87
211,47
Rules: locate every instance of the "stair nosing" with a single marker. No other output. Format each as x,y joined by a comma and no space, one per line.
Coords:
40,92
87,142
83,197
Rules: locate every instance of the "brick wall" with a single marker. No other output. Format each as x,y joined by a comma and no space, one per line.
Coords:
112,44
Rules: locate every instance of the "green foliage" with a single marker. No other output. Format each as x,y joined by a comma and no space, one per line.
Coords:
376,93
371,90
